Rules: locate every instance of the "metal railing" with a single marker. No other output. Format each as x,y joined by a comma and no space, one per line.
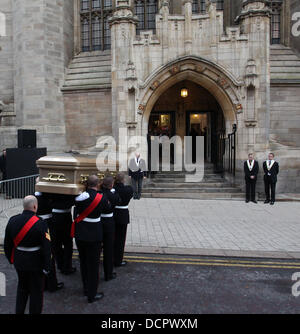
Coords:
13,191
226,161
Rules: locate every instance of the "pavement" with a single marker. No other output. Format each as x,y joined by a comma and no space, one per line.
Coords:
209,227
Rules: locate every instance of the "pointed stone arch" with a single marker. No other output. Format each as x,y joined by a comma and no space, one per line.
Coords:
217,80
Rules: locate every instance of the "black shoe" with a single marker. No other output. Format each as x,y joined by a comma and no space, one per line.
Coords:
272,203
247,201
266,201
58,287
69,272
254,201
98,296
113,276
122,264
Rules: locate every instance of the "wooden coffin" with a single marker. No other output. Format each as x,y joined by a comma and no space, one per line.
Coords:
68,174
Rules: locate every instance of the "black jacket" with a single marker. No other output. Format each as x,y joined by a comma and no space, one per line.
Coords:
37,236
126,194
3,166
44,203
273,172
253,172
85,231
137,171
113,197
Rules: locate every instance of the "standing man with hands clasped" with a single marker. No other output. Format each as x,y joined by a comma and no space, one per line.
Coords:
251,169
137,172
271,170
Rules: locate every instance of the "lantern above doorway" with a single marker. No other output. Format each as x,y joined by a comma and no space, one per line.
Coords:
184,93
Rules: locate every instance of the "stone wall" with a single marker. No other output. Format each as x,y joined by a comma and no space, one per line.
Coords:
88,116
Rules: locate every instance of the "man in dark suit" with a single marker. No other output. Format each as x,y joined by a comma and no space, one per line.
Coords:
271,170
137,172
27,246
251,169
88,231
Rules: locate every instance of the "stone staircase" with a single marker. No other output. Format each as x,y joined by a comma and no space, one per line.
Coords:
89,70
284,63
172,185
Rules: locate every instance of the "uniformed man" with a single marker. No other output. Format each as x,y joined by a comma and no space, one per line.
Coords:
108,223
271,170
61,227
251,169
87,229
121,215
27,246
45,212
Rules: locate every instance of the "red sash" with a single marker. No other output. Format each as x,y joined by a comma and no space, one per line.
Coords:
86,212
20,236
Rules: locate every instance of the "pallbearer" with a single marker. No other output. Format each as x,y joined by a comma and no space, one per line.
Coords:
45,212
251,169
27,246
271,170
87,229
107,219
61,222
122,219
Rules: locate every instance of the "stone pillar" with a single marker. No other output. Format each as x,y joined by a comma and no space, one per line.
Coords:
255,19
124,83
39,58
188,26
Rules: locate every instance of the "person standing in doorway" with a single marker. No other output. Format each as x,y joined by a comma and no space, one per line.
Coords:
137,172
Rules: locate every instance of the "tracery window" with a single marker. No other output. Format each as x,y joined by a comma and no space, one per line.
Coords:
95,31
145,10
199,6
220,4
275,6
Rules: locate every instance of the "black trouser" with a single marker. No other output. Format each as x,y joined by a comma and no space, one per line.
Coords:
250,189
51,279
62,241
119,246
137,185
31,284
89,256
270,185
108,245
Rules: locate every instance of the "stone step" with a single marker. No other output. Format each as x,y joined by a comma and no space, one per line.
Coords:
87,60
285,69
98,69
84,82
82,76
209,179
188,189
182,176
280,63
90,64
190,185
201,196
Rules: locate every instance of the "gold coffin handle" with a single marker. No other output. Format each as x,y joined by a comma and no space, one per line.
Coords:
55,177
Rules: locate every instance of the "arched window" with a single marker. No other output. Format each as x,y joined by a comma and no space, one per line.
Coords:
275,6
145,10
95,32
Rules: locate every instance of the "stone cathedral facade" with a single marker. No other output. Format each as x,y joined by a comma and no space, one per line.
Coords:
76,70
